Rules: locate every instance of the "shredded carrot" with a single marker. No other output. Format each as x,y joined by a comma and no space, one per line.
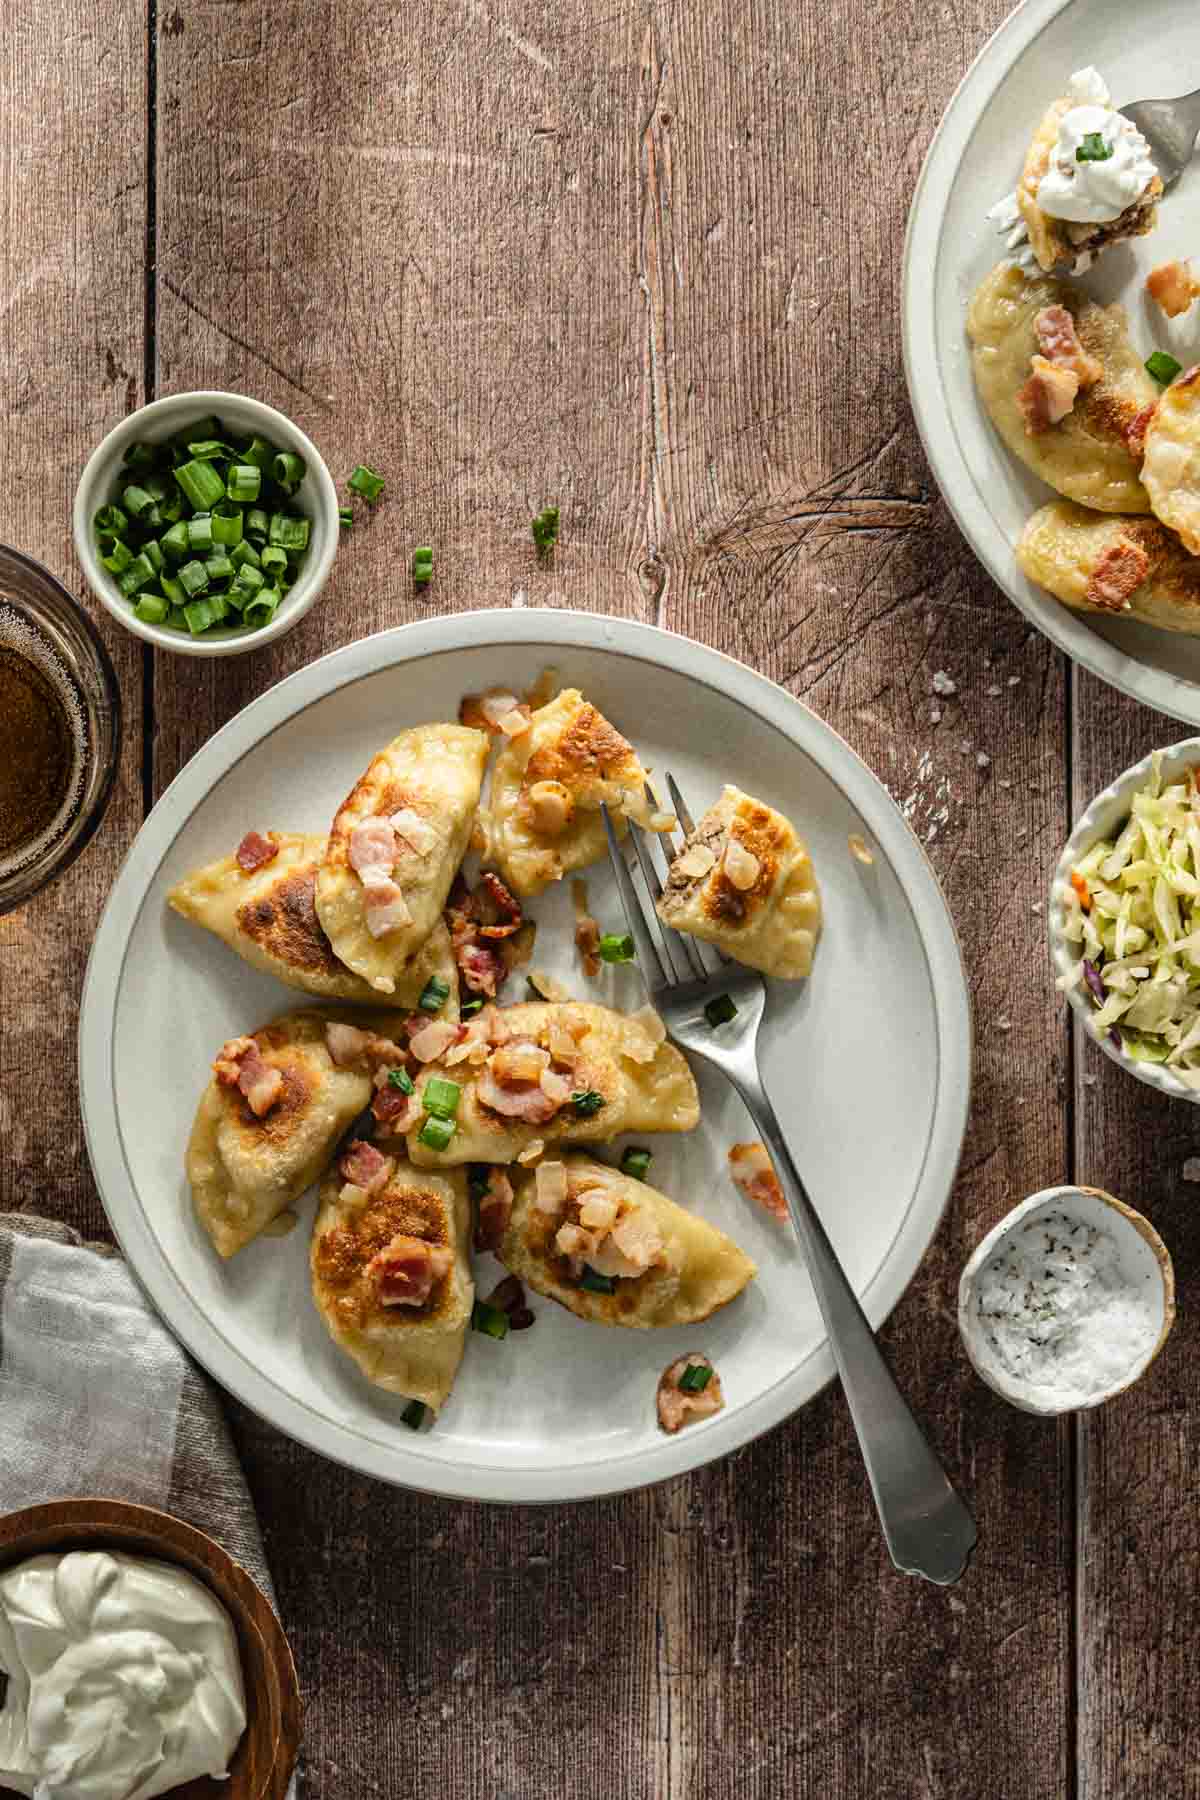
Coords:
1082,889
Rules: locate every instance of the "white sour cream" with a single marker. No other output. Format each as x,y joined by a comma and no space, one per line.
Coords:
1094,192
124,1678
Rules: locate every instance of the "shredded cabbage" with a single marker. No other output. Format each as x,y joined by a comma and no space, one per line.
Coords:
1134,910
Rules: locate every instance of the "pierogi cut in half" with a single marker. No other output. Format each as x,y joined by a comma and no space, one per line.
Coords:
261,902
1058,240
744,881
612,1250
390,1272
544,1071
1091,453
268,1123
1119,568
543,817
395,846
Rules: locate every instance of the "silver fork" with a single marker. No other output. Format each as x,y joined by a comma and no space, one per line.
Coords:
1169,127
928,1529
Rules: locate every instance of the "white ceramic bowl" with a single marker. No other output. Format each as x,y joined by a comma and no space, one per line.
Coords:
1104,819
317,497
1145,1267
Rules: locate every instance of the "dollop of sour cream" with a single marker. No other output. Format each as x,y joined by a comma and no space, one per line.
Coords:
1098,189
124,1678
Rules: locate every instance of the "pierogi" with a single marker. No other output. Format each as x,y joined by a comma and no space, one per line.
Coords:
1057,241
395,846
744,881
267,915
1171,466
615,1251
391,1276
1123,568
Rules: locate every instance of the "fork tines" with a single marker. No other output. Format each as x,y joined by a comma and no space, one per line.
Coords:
668,957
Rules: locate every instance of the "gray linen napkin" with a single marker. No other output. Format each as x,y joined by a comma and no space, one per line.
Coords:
96,1397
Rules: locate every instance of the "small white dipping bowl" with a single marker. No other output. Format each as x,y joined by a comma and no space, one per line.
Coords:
1104,819
316,496
1142,1265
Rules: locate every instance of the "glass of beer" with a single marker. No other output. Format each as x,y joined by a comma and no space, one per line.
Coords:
60,728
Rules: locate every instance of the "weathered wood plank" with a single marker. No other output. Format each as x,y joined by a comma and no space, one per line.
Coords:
72,198
1139,1553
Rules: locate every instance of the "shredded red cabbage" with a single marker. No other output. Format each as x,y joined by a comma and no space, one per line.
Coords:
1091,975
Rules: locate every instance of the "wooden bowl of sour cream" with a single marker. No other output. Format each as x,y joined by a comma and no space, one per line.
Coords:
263,1763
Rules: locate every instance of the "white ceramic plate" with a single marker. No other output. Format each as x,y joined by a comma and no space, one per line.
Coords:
1143,52
869,1064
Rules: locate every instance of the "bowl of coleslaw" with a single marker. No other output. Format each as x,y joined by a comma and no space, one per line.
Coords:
1124,920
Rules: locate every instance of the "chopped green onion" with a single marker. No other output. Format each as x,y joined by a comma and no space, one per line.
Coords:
199,430
695,1378
210,450
1093,148
245,555
422,565
217,605
200,533
545,530
170,508
153,555
288,470
118,558
256,526
110,521
199,615
635,1162
470,1006
289,531
490,1320
273,561
262,608
141,456
441,1097
219,566
138,574
1163,366
345,517
364,481
174,590
413,1415
151,610
227,524
177,541
400,1078
194,577
434,995
176,619
595,1283
202,485
245,586
436,1133
720,1011
260,453
243,482
587,1102
140,505
614,948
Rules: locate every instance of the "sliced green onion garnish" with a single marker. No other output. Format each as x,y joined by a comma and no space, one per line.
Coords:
1094,148
273,560
153,555
200,534
400,1078
199,615
244,554
345,517
227,524
256,525
289,531
413,1415
210,450
171,507
260,453
200,430
141,456
470,1006
489,1319
140,504
545,530
422,565
176,619
177,542
436,1133
615,948
174,590
635,1162
244,587
695,1378
597,1284
217,605
201,483
151,610
262,609
219,566
1162,365
288,470
366,482
434,995
587,1102
110,521
243,482
720,1011
118,559
441,1097
194,577
138,574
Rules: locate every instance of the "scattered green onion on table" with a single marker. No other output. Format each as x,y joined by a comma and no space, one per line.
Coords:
202,531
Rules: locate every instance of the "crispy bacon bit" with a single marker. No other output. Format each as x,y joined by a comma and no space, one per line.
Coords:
504,918
1059,343
372,851
587,932
550,1187
475,920
384,908
433,1039
365,1166
1118,575
400,1112
550,808
677,1407
524,1101
1047,397
509,1296
240,1064
495,1211
406,1269
754,1173
1173,287
742,867
1135,432
255,851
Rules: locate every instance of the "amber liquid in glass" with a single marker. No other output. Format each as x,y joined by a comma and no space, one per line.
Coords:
40,744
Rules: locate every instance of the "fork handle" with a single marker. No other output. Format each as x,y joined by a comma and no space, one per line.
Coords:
928,1529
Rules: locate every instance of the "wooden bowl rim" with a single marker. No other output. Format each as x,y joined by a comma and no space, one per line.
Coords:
29,1531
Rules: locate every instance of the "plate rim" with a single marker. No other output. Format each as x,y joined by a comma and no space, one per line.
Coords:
403,1464
1172,694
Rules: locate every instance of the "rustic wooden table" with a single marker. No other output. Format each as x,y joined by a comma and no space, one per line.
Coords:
642,259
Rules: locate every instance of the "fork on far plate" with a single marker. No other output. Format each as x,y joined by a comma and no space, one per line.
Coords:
928,1529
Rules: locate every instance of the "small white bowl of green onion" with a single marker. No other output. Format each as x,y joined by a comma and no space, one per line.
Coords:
206,523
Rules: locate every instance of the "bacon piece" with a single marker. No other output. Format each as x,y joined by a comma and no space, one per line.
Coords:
525,1101
495,1211
365,1166
346,1043
481,967
1173,287
474,920
433,1039
1059,343
754,1172
256,851
587,942
239,1063
1047,397
506,918
406,1269
384,907
1118,574
1135,432
676,1407
372,851
397,1110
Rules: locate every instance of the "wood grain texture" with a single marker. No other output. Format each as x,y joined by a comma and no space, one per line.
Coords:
72,232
